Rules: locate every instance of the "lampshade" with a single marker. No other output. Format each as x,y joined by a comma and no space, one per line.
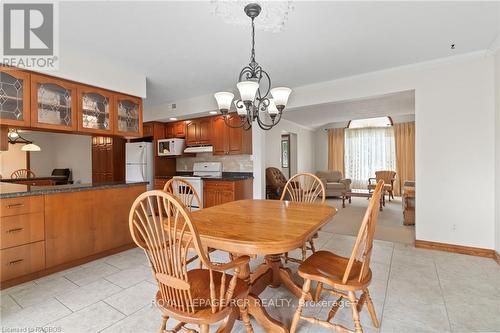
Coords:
272,109
224,100
247,89
280,95
242,111
30,147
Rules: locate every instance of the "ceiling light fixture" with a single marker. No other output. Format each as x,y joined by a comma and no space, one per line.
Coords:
14,137
254,103
213,112
173,119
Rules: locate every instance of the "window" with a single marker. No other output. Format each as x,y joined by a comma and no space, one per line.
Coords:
368,149
370,122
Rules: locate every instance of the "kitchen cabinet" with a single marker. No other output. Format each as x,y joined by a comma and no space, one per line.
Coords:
85,223
21,236
199,131
175,130
108,159
95,110
14,97
53,103
230,141
147,129
128,119
160,183
217,192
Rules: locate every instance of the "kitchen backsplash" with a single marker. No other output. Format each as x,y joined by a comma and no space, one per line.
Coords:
231,163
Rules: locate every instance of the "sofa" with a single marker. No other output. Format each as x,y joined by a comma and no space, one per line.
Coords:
335,184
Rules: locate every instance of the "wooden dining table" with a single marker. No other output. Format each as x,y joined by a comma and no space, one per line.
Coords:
262,227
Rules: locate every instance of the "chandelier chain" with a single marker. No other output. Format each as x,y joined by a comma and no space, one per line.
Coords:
252,59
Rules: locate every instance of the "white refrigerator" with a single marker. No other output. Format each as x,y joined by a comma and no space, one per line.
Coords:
139,163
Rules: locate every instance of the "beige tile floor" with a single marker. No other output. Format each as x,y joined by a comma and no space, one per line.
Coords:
414,290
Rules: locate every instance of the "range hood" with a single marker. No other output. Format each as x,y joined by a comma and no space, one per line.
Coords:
199,149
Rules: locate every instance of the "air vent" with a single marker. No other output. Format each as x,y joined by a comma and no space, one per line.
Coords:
174,106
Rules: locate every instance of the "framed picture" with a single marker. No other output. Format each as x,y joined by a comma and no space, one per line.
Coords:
284,153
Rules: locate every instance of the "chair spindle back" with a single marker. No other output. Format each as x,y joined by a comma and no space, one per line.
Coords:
304,187
184,191
364,241
166,236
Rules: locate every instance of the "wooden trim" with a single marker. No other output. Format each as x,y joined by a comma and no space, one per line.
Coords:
58,268
473,251
497,257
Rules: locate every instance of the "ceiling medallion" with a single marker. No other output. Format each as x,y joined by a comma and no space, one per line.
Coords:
272,19
254,86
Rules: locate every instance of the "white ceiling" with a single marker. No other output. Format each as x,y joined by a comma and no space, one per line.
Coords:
395,104
186,51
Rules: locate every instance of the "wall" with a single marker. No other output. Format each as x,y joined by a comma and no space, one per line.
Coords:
96,71
62,151
12,160
497,149
305,142
231,163
454,110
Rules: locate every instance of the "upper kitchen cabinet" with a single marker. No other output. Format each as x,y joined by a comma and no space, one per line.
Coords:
14,97
230,141
95,110
53,103
199,131
175,130
128,116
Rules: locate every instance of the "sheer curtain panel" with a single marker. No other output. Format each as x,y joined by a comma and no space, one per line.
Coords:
368,150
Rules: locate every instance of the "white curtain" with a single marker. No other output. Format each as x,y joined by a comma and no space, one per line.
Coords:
368,150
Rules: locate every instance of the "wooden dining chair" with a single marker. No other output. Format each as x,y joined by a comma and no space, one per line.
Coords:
186,193
198,297
345,276
22,173
307,188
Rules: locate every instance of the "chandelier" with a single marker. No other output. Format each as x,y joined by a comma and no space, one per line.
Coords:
254,86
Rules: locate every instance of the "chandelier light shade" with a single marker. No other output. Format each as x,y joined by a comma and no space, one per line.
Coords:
280,96
247,90
224,100
254,87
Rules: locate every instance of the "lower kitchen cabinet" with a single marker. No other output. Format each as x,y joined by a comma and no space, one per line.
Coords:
217,192
81,224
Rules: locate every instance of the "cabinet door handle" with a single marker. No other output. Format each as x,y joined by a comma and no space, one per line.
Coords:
13,262
10,231
15,205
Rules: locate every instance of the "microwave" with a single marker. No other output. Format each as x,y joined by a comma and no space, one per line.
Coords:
170,147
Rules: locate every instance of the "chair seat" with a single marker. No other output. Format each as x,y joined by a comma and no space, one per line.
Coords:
199,280
329,268
386,186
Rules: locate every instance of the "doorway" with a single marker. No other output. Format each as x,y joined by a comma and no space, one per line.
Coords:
289,154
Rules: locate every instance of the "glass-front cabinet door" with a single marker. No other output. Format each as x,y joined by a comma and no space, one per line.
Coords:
14,97
53,103
95,110
128,115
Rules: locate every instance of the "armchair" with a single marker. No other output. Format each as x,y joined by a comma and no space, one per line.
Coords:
275,183
335,184
389,177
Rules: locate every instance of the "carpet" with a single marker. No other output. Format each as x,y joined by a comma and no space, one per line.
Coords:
389,226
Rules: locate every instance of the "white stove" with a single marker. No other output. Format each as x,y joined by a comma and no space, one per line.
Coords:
201,170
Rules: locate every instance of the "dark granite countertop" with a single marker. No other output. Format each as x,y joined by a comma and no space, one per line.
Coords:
225,176
8,190
13,180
